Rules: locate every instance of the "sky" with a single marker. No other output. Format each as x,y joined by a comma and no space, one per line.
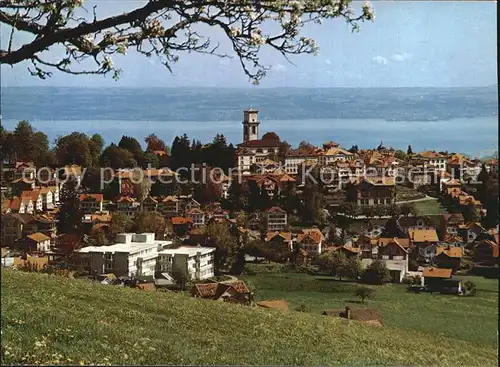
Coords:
409,44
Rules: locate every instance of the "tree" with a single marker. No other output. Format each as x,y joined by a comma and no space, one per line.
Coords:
313,203
376,273
304,145
115,157
151,222
132,145
219,237
408,209
142,184
96,146
154,143
333,263
69,217
120,223
409,151
353,268
363,293
77,148
181,155
354,149
181,278
150,30
98,238
91,181
283,150
393,229
27,144
400,155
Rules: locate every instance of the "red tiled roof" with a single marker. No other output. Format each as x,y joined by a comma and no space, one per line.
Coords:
313,233
287,236
30,194
180,220
275,209
95,197
437,273
38,237
204,290
126,199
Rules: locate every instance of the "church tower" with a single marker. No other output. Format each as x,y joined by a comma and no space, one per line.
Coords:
250,125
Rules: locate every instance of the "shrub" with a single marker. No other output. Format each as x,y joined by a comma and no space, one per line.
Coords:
363,293
469,288
376,273
417,280
412,265
466,264
301,308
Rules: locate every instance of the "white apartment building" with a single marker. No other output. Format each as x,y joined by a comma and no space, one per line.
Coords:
136,254
197,262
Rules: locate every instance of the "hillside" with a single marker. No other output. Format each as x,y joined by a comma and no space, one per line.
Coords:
46,319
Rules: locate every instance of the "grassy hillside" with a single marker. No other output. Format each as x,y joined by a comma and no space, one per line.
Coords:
431,314
46,319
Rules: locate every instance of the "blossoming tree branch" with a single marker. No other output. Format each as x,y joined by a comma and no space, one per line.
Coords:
162,28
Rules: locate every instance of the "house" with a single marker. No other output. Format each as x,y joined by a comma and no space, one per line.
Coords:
188,203
311,241
420,239
348,251
486,251
448,257
236,292
393,254
276,219
204,290
35,242
91,203
434,160
371,191
450,224
197,215
470,231
169,206
440,280
55,193
150,204
365,315
277,304
280,237
333,153
16,226
18,205
35,197
128,206
297,158
181,225
47,198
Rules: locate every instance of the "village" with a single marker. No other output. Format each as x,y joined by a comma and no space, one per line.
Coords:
361,215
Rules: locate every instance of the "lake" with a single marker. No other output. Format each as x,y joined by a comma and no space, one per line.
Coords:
474,136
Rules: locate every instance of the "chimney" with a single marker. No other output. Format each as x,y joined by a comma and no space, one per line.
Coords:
347,313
